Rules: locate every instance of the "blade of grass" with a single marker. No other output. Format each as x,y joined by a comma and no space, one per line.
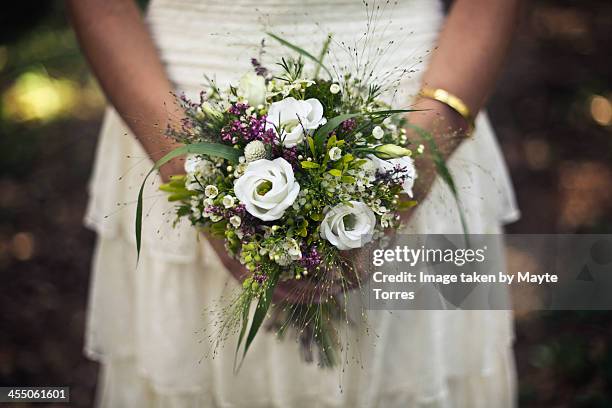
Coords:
300,51
322,55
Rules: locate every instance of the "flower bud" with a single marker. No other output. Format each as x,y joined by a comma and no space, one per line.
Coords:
391,151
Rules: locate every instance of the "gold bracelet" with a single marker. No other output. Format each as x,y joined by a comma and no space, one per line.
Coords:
450,100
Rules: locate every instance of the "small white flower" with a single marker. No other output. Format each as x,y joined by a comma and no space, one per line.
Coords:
215,217
420,149
267,188
293,249
348,226
378,133
228,201
208,202
211,191
240,169
255,150
335,153
286,252
386,220
404,164
197,168
235,221
292,117
334,88
195,211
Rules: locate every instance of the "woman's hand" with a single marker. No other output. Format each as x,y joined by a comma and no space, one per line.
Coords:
447,128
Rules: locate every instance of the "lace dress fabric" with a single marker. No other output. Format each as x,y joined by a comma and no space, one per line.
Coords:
148,325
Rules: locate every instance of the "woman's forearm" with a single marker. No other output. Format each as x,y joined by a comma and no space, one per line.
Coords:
122,55
471,49
466,62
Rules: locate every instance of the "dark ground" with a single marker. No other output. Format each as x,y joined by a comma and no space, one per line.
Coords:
554,130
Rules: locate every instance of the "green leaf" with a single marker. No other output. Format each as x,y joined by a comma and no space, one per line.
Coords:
316,217
211,149
322,55
324,131
311,145
348,179
405,205
262,308
321,133
331,142
335,172
246,308
300,51
309,165
179,196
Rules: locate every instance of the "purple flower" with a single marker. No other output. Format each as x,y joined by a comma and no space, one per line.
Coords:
310,258
259,278
349,125
246,128
259,69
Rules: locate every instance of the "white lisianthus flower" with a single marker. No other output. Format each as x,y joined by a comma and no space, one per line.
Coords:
335,153
267,188
211,191
404,164
291,117
334,88
228,201
252,87
349,226
235,221
378,133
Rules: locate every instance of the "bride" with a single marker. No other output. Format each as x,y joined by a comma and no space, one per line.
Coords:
147,325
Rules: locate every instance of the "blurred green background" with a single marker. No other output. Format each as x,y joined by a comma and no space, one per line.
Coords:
552,111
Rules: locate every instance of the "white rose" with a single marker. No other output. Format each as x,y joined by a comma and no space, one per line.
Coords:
406,164
292,117
267,188
349,226
252,87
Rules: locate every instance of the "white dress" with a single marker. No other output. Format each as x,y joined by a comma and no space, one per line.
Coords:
145,324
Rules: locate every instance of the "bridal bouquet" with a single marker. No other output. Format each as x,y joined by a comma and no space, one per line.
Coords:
292,170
